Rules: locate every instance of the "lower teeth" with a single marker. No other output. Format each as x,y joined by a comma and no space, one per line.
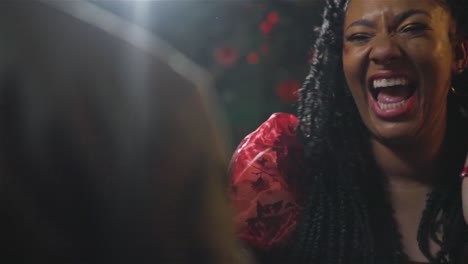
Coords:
391,105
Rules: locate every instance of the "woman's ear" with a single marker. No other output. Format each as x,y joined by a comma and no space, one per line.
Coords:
461,57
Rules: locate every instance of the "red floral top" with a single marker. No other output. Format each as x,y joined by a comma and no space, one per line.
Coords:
266,199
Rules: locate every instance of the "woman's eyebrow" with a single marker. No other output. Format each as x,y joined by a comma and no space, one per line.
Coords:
398,19
408,13
361,22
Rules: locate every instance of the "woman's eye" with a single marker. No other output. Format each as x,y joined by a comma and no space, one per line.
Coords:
416,27
358,37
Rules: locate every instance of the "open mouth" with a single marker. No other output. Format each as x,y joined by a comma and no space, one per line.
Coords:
391,93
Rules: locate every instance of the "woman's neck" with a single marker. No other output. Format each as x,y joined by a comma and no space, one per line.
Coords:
413,164
411,171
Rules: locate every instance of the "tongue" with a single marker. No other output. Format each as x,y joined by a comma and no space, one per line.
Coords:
394,94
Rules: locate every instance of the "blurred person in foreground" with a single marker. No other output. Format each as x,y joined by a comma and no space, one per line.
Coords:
374,167
107,154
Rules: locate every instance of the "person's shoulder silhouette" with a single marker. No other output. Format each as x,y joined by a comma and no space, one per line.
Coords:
108,155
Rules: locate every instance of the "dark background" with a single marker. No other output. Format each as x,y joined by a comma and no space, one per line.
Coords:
256,50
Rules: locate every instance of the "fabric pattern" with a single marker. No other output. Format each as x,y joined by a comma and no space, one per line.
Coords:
264,196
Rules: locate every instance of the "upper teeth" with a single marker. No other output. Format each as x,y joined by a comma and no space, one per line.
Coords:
380,83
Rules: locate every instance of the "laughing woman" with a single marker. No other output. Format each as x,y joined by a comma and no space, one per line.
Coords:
369,171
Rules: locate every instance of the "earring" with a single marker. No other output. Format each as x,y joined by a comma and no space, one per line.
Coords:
458,92
460,81
464,173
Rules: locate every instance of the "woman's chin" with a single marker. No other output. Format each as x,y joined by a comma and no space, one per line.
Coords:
404,132
395,136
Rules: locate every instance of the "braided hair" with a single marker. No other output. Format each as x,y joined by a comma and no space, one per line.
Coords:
347,209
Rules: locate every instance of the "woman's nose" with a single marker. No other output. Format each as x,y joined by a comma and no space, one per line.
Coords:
385,50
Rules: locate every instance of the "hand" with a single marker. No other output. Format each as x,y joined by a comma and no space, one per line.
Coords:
464,174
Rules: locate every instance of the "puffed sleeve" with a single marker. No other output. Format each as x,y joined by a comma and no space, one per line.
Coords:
264,171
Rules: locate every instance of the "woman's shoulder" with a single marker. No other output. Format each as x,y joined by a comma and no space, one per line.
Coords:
264,182
272,147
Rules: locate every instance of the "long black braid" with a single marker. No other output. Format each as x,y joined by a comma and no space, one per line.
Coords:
348,217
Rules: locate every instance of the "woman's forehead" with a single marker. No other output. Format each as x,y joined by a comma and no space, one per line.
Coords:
369,8
385,4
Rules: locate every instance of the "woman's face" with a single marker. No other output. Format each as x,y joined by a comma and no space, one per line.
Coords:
398,60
